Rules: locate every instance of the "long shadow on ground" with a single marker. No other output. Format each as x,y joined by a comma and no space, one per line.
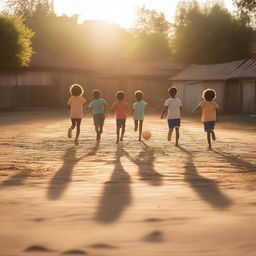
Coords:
237,162
116,195
206,188
59,183
145,163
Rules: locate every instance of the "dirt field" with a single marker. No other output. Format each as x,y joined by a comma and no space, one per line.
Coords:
146,199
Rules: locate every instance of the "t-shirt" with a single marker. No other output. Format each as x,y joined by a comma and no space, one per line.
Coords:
121,108
173,105
139,110
76,103
98,106
208,110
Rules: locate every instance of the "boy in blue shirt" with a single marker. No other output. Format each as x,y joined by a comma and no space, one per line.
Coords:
138,109
98,107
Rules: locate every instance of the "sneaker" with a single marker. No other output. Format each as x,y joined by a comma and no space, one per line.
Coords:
70,133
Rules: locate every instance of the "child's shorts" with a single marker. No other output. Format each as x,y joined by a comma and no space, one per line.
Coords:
99,120
174,123
209,126
120,123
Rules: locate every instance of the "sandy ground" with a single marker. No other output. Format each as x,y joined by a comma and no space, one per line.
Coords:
147,199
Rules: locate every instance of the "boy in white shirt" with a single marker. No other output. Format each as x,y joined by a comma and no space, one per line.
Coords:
173,105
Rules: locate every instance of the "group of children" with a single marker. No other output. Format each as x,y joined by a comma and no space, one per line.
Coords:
172,105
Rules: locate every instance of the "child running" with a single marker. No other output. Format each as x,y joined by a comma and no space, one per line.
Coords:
98,107
121,108
138,112
77,102
173,105
209,113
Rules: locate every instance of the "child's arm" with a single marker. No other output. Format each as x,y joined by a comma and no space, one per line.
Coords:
150,107
195,110
165,109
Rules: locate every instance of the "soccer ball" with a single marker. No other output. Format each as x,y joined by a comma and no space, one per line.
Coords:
146,135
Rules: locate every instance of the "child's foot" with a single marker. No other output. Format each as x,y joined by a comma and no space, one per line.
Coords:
69,133
76,141
139,139
213,136
121,139
209,147
176,144
117,141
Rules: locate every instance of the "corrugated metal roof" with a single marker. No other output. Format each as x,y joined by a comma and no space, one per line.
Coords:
224,71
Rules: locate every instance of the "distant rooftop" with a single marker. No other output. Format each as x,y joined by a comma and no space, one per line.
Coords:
230,70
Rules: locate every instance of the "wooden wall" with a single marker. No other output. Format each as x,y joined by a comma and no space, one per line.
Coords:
51,89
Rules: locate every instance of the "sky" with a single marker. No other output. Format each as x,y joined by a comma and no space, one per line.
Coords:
121,12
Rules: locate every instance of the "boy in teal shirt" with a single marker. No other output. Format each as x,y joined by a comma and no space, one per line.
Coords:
98,107
138,112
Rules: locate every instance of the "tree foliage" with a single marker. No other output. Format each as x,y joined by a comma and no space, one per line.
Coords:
210,35
15,47
150,21
247,5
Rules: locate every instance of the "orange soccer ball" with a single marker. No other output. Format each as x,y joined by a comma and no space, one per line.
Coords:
146,135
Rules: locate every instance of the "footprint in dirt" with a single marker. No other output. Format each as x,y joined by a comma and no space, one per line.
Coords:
155,236
103,246
75,252
37,248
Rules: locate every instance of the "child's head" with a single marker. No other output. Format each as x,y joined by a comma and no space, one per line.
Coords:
172,91
209,94
139,95
120,95
76,90
96,94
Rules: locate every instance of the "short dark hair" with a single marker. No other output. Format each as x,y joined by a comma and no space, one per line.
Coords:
209,94
120,95
172,91
139,95
76,90
96,93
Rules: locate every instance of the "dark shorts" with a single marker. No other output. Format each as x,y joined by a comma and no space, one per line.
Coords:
209,126
174,123
99,120
76,122
120,123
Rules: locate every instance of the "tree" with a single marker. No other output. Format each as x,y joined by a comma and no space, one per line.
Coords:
150,21
149,36
211,35
246,5
15,47
147,47
29,9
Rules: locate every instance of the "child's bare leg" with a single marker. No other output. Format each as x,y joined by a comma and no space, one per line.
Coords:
140,129
213,135
177,130
135,125
117,134
170,134
73,126
77,130
209,139
122,133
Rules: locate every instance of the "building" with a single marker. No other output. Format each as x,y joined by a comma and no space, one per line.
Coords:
234,82
46,83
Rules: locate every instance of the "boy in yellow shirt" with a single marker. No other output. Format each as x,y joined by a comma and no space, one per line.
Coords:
209,113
